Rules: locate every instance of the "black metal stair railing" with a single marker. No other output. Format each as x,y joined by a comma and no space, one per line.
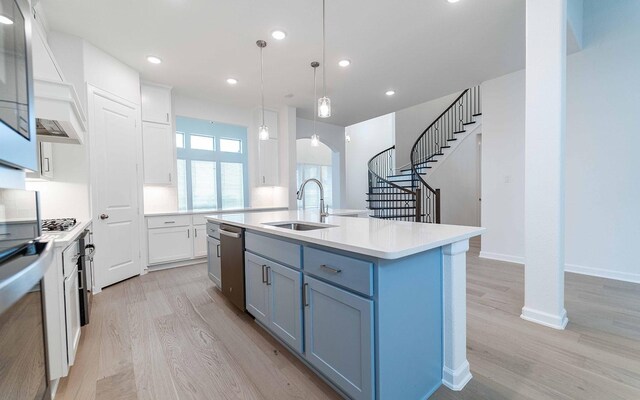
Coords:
431,144
387,199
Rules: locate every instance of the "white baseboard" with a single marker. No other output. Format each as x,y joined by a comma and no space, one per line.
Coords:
502,257
573,268
602,273
549,320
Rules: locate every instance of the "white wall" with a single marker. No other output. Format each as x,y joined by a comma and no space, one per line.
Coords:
412,121
602,170
367,139
457,177
332,136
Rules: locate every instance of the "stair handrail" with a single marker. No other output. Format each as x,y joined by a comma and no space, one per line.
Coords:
371,171
474,101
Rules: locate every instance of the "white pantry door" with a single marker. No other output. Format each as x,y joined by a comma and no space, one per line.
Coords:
114,149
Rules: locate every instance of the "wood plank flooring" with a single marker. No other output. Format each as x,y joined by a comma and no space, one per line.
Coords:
171,335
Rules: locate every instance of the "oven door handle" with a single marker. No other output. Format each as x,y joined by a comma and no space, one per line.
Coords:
92,250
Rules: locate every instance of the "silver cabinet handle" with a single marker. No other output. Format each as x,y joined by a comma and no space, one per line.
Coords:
268,281
188,232
195,232
48,168
264,269
230,234
167,117
169,222
305,297
169,177
218,251
330,269
104,216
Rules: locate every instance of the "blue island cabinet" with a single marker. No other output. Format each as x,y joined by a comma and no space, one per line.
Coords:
372,327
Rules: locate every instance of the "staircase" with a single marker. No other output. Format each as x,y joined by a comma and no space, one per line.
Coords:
405,194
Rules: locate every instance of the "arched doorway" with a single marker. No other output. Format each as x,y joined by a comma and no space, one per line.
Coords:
314,162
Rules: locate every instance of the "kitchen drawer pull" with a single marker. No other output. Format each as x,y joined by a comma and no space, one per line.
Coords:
264,268
230,234
330,269
218,251
188,233
268,282
305,296
169,222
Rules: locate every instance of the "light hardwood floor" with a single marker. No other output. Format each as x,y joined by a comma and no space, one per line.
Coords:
170,335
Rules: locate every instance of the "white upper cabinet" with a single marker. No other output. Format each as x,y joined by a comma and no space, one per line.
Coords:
268,155
157,136
156,104
159,157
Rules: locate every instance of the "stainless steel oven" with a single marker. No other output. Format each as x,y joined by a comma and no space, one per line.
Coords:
17,119
23,263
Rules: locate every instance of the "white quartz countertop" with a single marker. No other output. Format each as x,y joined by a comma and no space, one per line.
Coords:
63,239
369,236
194,212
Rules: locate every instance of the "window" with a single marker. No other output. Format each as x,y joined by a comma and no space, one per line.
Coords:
311,197
212,172
231,145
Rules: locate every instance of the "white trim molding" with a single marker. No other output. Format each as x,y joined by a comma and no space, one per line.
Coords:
502,257
539,317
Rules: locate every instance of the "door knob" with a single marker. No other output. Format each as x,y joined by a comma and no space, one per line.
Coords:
104,216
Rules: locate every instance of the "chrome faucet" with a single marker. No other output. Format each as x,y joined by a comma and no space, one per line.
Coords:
324,212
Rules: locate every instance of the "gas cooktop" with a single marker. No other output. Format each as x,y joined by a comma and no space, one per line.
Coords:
58,225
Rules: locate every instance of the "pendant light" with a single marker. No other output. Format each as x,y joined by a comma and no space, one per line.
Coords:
263,130
315,139
324,103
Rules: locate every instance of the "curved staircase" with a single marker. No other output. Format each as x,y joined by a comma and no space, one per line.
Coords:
405,194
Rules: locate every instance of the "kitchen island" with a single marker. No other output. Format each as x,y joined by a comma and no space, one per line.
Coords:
377,308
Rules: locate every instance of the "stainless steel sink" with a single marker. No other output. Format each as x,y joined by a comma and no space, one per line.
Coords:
299,226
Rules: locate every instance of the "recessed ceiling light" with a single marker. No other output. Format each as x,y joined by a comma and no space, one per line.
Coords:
5,20
453,1
344,63
154,60
232,81
278,35
390,92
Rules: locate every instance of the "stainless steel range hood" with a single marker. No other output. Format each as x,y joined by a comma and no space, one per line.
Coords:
59,117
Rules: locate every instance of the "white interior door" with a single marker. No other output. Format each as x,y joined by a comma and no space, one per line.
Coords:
114,152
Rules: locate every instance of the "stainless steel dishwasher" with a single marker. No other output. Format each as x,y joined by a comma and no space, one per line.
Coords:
232,264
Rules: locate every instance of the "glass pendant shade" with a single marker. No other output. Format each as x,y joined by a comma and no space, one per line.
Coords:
315,140
263,132
324,107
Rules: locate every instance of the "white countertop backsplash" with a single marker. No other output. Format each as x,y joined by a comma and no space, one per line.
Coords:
369,236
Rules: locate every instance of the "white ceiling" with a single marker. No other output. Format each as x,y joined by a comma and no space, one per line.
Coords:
422,49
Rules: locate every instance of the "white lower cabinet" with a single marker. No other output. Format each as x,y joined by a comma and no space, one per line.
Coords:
72,314
213,260
199,241
339,337
170,244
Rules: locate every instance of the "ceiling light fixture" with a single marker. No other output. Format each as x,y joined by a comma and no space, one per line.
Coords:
390,92
154,60
263,130
4,20
344,63
278,35
453,1
232,81
347,137
315,139
324,103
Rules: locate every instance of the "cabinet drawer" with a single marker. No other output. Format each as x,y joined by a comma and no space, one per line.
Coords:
275,249
198,219
213,230
345,271
169,221
70,258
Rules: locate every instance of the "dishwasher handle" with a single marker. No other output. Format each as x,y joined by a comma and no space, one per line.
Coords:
230,234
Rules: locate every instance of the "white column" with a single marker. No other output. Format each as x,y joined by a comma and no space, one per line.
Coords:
455,372
544,162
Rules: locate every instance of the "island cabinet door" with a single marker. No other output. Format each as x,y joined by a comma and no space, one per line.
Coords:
256,289
339,337
285,304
